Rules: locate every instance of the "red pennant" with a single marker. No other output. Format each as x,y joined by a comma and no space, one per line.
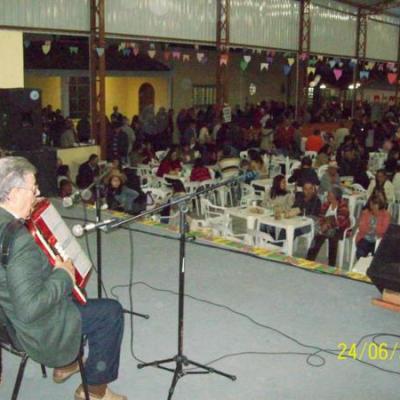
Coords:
338,73
392,78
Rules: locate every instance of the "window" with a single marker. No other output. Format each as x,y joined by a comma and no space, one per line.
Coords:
79,97
204,95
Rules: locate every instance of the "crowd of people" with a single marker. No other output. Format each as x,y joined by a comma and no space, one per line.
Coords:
269,128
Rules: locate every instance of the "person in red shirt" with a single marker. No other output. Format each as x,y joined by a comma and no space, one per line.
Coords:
199,172
315,142
170,164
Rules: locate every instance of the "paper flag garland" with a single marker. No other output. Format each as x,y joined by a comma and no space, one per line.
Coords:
136,51
381,67
364,74
287,69
100,51
126,52
332,63
390,66
320,58
312,61
338,73
270,60
46,47
167,55
243,65
186,57
392,78
290,61
303,56
311,70
121,46
151,53
152,46
264,66
247,58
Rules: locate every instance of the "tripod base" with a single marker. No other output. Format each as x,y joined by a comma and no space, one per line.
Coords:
145,316
179,372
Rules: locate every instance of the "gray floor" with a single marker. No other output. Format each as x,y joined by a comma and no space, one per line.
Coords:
315,309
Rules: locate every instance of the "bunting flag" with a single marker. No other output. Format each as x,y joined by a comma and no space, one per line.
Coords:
100,51
204,60
247,58
390,66
392,78
167,55
152,46
381,67
320,58
136,51
196,47
243,65
27,43
151,53
311,70
186,57
364,74
312,62
290,61
264,66
332,63
338,73
303,56
287,69
132,45
126,52
270,59
73,49
353,62
223,59
121,46
287,54
272,53
176,55
46,47
200,57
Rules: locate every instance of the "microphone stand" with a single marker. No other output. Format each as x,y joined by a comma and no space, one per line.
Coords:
179,359
97,187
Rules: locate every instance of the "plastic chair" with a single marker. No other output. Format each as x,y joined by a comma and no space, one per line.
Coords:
265,240
354,248
342,243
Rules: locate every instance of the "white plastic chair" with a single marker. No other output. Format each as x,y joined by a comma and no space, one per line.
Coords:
321,170
342,245
354,249
312,154
160,155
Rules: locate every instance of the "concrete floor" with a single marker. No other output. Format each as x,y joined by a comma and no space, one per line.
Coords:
315,309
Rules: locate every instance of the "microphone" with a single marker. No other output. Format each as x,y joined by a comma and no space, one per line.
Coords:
85,194
78,230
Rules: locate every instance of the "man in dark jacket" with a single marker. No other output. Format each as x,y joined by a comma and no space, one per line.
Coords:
304,174
36,298
307,201
87,172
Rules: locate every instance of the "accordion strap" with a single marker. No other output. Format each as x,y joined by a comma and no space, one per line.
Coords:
7,240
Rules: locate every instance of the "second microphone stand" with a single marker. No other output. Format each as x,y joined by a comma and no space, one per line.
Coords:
99,249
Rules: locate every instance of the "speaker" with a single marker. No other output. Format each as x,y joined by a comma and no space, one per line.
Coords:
384,270
20,119
45,161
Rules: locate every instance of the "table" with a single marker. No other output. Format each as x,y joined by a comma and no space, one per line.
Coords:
289,225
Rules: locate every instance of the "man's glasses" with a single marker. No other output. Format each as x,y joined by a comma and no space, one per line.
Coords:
34,189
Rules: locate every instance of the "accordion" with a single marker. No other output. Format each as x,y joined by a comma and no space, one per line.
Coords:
54,237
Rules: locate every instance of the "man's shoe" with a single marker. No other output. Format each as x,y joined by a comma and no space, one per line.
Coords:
60,376
109,395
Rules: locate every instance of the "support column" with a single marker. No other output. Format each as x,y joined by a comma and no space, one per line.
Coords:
223,12
304,48
396,96
361,53
97,74
12,59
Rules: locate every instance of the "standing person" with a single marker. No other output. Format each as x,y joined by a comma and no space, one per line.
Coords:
83,129
130,133
36,298
119,144
88,171
315,142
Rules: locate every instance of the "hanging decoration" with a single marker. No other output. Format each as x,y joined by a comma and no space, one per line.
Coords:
176,55
167,55
151,53
247,58
136,50
364,74
121,46
311,70
100,51
290,61
126,52
252,89
200,57
320,58
46,47
381,67
264,66
73,50
390,66
332,63
223,59
186,57
338,73
243,65
303,56
392,78
312,62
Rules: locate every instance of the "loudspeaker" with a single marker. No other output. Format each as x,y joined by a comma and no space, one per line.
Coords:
45,161
384,270
20,119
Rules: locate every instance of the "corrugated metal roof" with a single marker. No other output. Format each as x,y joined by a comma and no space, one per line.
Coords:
391,7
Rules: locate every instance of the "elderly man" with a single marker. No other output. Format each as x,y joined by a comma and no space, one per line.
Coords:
36,298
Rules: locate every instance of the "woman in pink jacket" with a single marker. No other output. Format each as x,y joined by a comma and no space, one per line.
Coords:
374,221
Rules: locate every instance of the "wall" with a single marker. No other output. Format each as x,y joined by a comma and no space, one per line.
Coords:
270,84
124,92
50,87
12,59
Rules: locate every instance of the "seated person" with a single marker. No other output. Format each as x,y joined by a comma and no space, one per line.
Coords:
391,162
228,164
257,165
279,198
88,171
199,172
170,214
65,188
374,221
329,179
382,184
188,152
118,196
314,142
148,153
36,298
248,173
324,155
333,221
307,203
361,177
171,164
349,165
304,174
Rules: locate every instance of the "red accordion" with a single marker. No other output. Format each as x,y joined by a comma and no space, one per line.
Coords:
54,237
